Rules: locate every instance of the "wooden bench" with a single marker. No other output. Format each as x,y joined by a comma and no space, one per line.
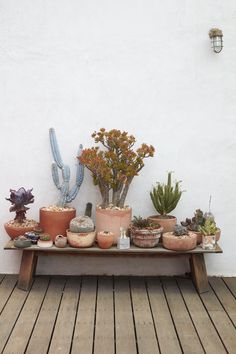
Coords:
30,256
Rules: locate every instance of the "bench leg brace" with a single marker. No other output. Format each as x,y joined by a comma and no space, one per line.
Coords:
199,274
27,269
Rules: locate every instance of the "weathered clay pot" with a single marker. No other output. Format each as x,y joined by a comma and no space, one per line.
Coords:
56,222
105,239
60,241
167,222
80,240
112,220
199,236
146,238
179,243
14,232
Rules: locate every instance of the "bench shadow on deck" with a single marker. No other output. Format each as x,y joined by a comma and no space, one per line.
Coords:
121,315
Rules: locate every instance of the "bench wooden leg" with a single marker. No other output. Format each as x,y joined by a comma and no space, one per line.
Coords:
27,269
199,273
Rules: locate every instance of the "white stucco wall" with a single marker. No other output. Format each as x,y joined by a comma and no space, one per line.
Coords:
143,66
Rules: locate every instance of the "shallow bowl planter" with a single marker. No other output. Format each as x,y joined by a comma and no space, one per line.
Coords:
146,238
80,240
166,222
179,243
15,231
20,242
112,220
105,239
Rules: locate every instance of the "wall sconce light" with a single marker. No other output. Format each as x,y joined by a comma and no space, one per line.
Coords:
216,35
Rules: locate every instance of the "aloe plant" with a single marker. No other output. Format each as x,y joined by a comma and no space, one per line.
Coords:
165,197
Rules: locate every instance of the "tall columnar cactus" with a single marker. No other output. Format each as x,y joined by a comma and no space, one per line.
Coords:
66,194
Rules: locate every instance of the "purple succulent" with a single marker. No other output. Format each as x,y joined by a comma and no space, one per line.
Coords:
18,200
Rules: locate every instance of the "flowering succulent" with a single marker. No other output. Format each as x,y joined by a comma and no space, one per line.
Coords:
114,168
19,199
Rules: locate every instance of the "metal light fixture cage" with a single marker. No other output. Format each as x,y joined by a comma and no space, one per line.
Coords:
216,35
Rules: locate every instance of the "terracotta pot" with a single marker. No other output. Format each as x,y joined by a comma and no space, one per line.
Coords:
60,241
112,220
145,238
80,240
14,231
179,243
168,222
105,239
56,222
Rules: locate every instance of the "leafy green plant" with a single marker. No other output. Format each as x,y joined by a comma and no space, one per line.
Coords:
140,223
165,197
45,237
209,228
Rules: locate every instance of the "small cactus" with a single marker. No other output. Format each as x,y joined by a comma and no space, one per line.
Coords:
66,194
180,230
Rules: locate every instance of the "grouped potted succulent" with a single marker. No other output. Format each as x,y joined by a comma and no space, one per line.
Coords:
144,233
55,219
19,199
180,239
165,198
113,168
45,241
209,231
193,224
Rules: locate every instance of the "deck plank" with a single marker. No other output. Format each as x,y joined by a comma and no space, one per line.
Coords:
124,325
41,336
62,335
104,334
166,334
1,277
206,331
10,313
225,297
84,326
25,323
231,283
220,319
6,287
186,332
146,336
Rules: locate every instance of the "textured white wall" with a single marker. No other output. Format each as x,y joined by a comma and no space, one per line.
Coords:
143,66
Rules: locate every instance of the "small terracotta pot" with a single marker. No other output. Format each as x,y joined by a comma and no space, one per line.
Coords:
145,238
168,222
179,243
80,240
112,220
60,241
105,239
14,231
56,222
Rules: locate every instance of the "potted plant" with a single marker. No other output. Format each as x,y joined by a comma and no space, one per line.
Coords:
208,230
55,219
165,198
144,233
45,241
180,239
22,242
195,223
105,239
113,170
19,199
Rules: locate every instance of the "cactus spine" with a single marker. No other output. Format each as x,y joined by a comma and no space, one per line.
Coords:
66,194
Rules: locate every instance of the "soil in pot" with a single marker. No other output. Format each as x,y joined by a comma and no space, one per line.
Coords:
113,219
168,222
55,220
15,229
179,243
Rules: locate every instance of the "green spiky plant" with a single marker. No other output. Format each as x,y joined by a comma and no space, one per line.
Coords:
209,228
165,197
141,223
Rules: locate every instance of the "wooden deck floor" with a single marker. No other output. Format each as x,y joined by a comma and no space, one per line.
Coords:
117,315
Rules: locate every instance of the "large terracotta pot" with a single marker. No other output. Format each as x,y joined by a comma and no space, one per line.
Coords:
112,220
179,243
56,222
15,231
168,222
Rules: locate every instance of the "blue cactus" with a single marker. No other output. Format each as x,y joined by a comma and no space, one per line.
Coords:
66,194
